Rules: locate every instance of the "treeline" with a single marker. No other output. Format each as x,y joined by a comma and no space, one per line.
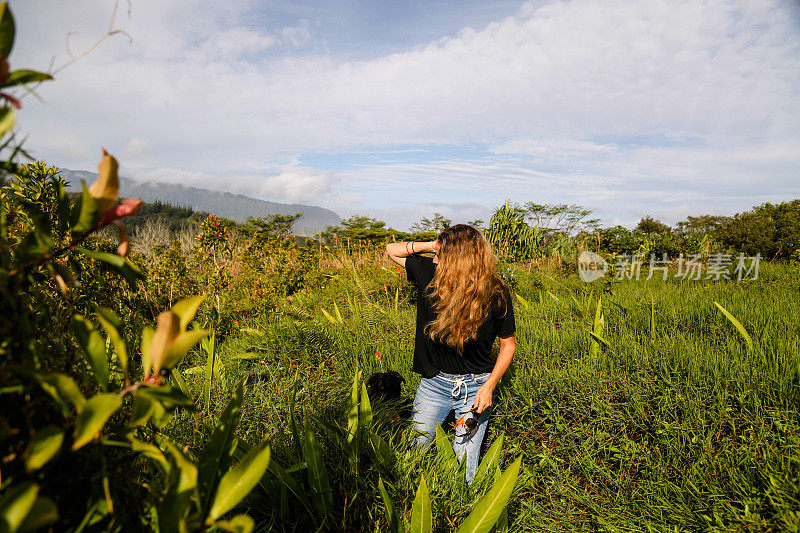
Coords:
174,217
533,230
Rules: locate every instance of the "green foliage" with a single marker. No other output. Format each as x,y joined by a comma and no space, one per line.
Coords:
273,226
649,225
434,225
772,230
358,230
511,236
176,218
560,218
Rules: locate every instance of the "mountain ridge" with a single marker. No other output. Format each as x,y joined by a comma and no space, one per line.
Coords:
225,204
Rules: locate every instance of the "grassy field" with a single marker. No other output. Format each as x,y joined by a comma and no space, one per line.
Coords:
677,424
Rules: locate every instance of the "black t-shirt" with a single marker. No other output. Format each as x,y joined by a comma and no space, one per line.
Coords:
431,357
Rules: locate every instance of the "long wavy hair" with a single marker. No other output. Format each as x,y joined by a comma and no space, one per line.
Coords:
464,287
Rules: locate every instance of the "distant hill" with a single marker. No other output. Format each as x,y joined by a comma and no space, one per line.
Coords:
233,206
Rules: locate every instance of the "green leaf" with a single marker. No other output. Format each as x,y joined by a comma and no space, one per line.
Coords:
597,332
186,309
738,325
239,481
167,330
392,517
127,269
298,443
142,411
383,452
169,397
94,346
160,416
598,339
179,381
45,444
490,459
329,317
317,472
182,489
352,410
19,77
96,412
421,513
111,324
289,482
522,300
183,343
365,413
211,353
488,510
217,454
444,449
238,524
7,31
16,504
62,389
86,211
7,119
502,522
153,452
147,339
43,513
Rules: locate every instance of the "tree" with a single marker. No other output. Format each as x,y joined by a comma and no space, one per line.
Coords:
703,224
649,225
772,230
359,228
436,224
276,225
559,218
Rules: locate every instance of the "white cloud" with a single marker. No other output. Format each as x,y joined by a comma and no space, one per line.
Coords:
232,43
297,183
135,148
291,183
297,36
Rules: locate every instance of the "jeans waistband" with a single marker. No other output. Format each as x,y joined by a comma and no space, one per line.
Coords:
454,377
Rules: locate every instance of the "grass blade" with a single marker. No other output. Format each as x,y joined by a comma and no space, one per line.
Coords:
738,326
317,472
391,514
444,449
210,348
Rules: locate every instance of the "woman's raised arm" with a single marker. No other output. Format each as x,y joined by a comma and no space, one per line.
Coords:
398,251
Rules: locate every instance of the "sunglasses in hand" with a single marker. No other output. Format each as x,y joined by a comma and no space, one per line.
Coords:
470,422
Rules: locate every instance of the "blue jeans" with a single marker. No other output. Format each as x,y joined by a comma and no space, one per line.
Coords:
439,395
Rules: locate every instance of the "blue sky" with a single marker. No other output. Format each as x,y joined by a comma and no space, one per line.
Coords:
398,110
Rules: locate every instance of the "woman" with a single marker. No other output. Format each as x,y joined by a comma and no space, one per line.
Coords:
463,305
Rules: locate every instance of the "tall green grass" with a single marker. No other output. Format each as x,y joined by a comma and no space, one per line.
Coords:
674,423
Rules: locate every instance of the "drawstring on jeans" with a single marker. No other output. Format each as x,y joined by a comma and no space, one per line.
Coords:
457,384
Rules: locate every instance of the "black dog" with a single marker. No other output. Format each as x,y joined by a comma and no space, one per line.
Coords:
386,388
